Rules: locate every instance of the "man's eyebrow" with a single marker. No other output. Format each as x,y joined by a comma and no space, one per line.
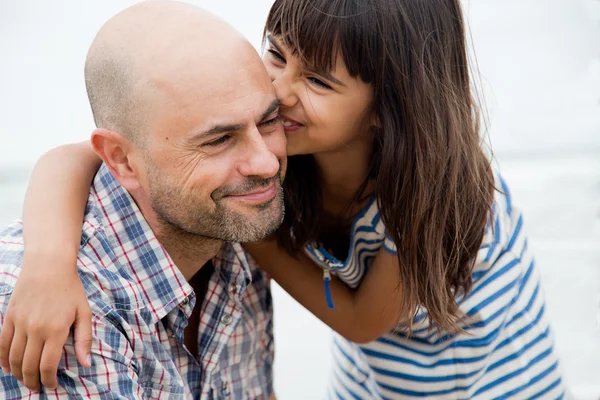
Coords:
324,74
224,128
221,129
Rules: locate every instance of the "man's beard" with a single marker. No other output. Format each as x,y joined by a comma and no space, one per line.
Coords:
183,213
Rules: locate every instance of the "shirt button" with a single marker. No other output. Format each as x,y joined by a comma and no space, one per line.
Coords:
225,389
226,319
234,289
185,301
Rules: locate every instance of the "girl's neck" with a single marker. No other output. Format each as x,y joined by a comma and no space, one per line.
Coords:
342,173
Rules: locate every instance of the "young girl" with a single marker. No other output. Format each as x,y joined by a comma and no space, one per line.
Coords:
397,233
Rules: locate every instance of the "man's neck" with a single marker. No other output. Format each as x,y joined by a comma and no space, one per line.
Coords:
189,252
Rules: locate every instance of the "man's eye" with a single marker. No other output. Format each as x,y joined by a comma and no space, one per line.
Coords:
218,142
272,121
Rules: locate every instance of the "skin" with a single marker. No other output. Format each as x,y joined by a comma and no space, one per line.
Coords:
333,115
211,150
328,115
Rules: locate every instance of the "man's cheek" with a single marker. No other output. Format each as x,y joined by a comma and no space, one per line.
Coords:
277,143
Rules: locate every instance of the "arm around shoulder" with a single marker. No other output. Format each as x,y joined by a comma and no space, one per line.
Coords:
112,373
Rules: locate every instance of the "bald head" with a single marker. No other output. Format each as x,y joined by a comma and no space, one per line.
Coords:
146,50
189,124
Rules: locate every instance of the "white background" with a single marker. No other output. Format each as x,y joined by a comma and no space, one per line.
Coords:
540,71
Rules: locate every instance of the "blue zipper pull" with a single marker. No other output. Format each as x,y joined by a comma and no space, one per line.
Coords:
326,280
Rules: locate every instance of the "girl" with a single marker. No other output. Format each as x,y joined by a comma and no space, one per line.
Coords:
397,233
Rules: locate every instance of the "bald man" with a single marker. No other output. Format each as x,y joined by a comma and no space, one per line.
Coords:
194,155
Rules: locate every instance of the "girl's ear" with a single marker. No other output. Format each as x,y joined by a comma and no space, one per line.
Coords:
375,121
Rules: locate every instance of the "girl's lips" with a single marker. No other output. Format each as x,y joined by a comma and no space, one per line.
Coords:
291,128
289,125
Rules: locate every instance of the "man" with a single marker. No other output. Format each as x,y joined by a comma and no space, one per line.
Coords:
194,155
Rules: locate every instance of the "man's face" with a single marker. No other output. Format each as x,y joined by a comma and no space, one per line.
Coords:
214,158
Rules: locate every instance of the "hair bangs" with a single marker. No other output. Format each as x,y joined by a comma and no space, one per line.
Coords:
317,31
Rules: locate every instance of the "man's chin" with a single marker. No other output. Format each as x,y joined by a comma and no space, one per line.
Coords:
260,226
269,218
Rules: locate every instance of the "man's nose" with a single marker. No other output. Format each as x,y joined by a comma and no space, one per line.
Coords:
259,160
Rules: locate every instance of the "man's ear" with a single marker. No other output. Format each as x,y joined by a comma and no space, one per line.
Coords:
116,152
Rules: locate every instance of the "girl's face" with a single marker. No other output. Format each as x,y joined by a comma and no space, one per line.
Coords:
321,112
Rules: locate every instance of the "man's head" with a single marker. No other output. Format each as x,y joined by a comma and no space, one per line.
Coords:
187,121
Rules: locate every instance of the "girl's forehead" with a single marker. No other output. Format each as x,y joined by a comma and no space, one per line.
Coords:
334,65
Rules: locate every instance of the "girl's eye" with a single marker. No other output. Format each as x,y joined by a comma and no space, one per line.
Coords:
319,83
218,142
276,56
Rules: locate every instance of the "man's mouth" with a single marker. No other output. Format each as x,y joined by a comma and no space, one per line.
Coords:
258,195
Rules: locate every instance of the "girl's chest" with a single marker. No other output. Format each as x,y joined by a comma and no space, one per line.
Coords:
349,256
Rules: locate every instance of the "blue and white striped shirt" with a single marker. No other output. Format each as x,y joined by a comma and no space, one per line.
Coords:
507,350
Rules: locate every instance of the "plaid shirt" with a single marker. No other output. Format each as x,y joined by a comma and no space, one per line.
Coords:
141,304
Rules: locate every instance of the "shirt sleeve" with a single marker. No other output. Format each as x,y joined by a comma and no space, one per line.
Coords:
113,373
389,245
267,338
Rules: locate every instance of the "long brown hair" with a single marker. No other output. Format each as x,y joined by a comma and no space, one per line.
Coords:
434,183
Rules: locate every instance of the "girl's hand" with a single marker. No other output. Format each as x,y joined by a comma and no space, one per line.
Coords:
41,311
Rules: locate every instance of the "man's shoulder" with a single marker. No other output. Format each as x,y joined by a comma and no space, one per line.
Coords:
106,285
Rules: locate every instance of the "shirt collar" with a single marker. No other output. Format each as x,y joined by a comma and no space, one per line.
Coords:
142,257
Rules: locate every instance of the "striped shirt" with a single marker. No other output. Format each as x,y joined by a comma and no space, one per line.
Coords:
507,351
141,304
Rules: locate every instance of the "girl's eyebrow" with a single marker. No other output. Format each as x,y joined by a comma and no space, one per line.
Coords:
324,74
327,76
274,43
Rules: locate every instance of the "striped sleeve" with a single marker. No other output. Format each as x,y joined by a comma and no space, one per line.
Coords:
389,245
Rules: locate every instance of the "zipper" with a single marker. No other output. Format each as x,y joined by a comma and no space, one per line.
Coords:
326,277
326,283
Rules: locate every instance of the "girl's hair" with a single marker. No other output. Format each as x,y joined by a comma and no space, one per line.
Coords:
434,183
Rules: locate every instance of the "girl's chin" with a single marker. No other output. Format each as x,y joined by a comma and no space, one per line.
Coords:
298,150
292,152
295,147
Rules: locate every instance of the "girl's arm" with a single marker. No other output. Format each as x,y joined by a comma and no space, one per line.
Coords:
360,315
49,296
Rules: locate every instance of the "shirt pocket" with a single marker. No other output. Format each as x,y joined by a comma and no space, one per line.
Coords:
153,364
8,279
157,391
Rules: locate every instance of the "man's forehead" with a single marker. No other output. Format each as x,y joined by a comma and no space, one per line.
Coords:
234,91
228,87
213,79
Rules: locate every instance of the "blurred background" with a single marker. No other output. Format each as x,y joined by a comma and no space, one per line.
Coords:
539,71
